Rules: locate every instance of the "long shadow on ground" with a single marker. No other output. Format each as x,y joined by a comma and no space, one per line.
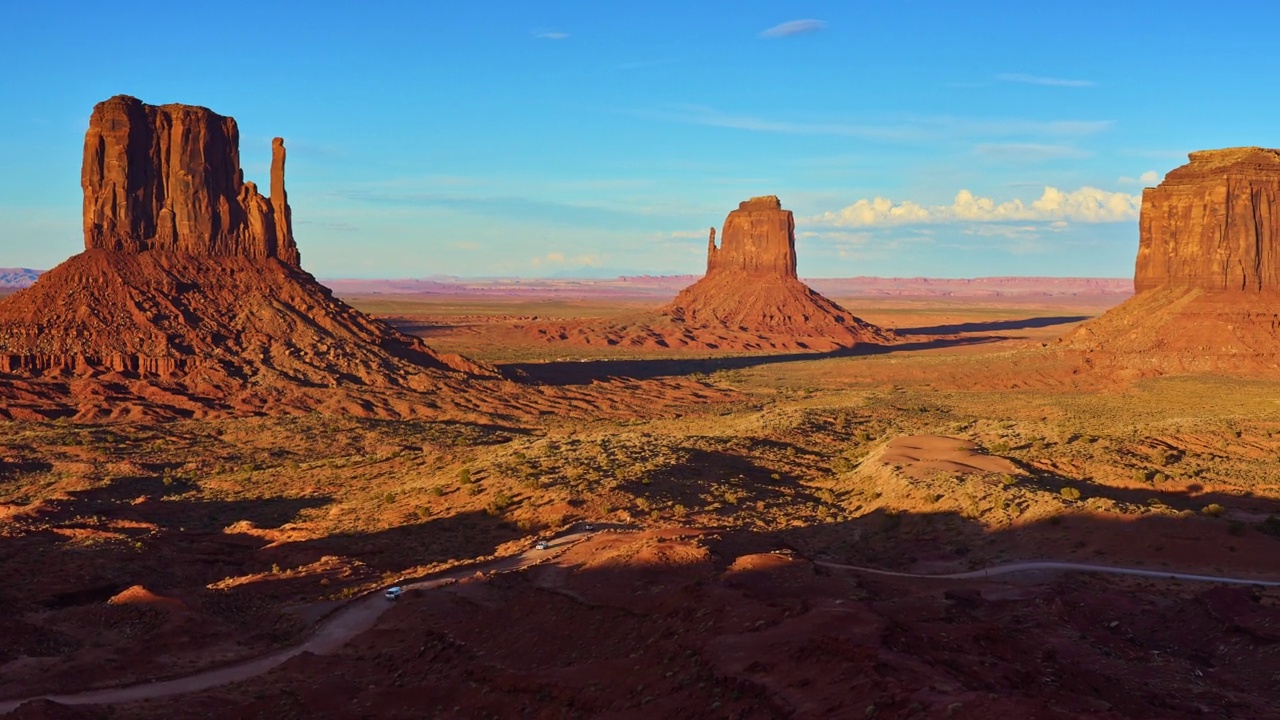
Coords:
587,371
994,325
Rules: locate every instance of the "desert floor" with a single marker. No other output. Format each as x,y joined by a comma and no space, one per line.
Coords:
137,552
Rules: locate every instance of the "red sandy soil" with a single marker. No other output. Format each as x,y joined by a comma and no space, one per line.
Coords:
681,624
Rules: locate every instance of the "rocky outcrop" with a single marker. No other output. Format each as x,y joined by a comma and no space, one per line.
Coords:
168,178
1213,224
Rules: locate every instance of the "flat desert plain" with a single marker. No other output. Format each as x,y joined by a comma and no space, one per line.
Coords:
712,555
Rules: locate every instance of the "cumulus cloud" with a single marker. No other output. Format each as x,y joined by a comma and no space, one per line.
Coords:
793,27
1088,205
1040,80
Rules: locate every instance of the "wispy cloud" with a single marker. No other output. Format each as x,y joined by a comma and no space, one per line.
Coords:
1087,204
910,128
559,259
793,27
550,35
1041,80
1028,152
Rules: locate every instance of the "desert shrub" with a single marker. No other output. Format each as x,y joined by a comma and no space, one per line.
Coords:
389,498
863,436
464,476
842,465
436,491
998,448
424,512
1008,480
1069,492
1144,475
776,477
1212,510
500,502
1270,526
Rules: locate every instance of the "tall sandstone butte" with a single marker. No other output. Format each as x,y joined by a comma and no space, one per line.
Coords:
189,298
1213,224
751,286
168,177
1207,275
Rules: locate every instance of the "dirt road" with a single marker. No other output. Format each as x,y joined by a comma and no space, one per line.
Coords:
334,632
360,615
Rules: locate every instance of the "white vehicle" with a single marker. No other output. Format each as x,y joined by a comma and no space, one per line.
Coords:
541,545
394,593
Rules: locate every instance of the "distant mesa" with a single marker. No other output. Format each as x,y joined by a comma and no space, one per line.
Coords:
1207,275
189,298
751,285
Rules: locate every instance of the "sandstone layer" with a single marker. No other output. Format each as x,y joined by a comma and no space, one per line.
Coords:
1207,275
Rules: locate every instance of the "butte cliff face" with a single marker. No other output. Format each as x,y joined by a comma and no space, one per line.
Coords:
1207,275
751,287
759,240
189,298
1213,224
168,178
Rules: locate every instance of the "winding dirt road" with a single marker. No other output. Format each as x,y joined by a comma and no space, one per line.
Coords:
360,615
332,633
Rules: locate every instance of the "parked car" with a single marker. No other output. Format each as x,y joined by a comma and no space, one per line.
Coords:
394,593
541,545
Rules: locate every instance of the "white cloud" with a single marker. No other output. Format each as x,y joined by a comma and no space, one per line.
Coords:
1087,205
1039,80
793,27
550,35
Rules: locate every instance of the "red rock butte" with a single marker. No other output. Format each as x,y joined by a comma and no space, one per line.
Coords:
189,296
1207,275
751,285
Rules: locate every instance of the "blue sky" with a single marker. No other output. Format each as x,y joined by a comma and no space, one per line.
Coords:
910,137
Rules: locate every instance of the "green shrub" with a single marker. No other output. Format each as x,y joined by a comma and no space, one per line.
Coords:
998,448
1069,492
1212,510
464,476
